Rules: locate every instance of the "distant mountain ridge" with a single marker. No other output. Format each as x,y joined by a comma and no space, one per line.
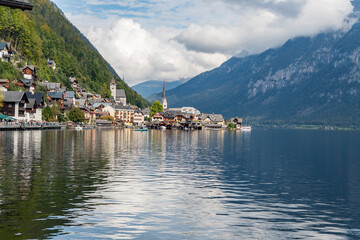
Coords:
149,88
307,80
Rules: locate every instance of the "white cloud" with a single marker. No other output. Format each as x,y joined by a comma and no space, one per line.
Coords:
168,39
142,55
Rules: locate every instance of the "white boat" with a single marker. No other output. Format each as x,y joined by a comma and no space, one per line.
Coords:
246,128
162,128
79,128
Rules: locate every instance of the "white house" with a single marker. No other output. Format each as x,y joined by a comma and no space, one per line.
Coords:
138,118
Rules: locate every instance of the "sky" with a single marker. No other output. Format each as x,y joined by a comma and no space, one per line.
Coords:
169,40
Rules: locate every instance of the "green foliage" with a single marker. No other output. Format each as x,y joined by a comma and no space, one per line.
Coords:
76,115
48,114
231,126
45,33
61,118
8,71
156,107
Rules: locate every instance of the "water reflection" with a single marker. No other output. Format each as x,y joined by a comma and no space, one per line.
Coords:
121,184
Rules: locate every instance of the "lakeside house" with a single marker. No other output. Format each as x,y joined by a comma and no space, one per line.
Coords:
139,118
237,122
124,113
14,104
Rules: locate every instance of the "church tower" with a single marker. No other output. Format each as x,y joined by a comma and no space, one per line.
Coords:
113,89
163,99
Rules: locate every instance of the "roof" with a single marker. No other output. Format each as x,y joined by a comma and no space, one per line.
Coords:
55,95
12,96
216,117
120,107
238,119
37,96
4,45
81,102
146,111
96,105
32,67
52,62
31,103
69,94
51,85
27,82
120,93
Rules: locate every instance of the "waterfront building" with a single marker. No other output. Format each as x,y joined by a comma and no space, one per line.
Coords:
157,117
213,119
146,112
109,109
237,122
163,99
14,104
138,118
124,113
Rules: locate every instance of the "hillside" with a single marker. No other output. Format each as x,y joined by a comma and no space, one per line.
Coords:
46,33
151,87
307,80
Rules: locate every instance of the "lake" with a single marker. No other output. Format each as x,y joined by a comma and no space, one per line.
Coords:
121,184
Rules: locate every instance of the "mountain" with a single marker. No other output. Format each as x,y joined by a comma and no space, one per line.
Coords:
45,33
312,80
151,87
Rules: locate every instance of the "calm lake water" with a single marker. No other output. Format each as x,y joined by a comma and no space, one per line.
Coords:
120,184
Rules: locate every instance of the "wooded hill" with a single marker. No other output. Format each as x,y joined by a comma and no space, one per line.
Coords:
45,33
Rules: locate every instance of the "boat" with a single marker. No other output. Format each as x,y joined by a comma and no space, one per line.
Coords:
141,129
162,127
246,128
79,128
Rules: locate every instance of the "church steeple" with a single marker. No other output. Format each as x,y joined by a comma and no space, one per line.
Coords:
163,99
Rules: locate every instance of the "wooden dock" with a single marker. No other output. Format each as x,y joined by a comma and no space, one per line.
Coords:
24,127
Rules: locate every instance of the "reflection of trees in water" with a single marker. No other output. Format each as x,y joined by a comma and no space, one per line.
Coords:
45,176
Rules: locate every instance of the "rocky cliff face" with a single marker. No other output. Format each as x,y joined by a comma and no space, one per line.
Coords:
313,79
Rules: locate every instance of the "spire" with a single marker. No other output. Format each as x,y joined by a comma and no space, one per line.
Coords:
164,95
163,99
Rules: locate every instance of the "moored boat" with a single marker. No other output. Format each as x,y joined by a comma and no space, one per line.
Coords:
246,128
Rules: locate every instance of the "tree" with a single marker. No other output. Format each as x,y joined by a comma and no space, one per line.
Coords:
231,126
156,107
76,115
48,114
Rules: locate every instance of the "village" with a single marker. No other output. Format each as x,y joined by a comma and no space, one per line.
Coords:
25,108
